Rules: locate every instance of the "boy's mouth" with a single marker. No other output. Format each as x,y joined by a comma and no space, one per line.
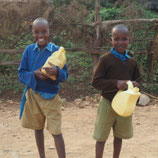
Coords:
41,40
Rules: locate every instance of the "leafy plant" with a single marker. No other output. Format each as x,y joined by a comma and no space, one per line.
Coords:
106,14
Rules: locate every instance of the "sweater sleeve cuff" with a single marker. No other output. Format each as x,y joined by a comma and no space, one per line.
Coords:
60,74
33,82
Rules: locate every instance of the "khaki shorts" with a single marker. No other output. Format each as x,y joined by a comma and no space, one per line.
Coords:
107,119
37,110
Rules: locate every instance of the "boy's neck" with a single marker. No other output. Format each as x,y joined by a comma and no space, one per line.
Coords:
123,53
42,47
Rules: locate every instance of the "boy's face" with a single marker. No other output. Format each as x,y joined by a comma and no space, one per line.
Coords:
41,33
120,40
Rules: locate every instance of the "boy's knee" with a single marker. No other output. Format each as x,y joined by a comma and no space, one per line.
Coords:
57,136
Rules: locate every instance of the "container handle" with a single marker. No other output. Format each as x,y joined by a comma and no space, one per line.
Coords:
130,84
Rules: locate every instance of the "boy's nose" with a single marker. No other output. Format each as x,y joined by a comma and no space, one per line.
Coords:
120,41
40,34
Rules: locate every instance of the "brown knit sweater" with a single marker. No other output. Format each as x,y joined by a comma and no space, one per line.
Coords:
109,70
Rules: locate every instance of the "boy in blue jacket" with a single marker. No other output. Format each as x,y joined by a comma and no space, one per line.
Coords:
40,100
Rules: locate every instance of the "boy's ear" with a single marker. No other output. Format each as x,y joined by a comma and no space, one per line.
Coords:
111,40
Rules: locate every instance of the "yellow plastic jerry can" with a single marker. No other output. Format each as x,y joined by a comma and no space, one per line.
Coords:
124,102
58,58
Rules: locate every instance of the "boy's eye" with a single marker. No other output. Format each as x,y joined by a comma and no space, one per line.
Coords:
124,39
41,32
116,39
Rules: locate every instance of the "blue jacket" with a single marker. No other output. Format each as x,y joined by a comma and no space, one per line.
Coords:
33,59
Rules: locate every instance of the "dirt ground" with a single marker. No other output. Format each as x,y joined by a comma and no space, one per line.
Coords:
77,125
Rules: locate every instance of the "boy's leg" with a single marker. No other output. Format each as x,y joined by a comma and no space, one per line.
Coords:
123,129
60,146
40,142
104,122
117,147
99,149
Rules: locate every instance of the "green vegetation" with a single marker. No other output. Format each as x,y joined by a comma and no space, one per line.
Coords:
80,63
80,72
106,14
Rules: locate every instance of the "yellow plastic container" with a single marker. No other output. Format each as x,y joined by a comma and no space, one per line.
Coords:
58,58
124,102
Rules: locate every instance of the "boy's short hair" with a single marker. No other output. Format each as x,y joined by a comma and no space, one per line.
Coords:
120,26
40,20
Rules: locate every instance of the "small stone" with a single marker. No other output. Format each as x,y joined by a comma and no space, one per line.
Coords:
87,98
51,147
63,100
62,108
95,101
10,101
6,151
143,100
78,103
78,100
86,103
97,96
95,105
137,123
81,105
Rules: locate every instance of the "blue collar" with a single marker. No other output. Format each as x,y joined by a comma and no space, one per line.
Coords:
119,55
49,47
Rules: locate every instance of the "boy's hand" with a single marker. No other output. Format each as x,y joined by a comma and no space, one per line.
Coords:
122,85
135,84
40,75
51,71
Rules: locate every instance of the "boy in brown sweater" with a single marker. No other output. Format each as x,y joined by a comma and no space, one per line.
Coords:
113,71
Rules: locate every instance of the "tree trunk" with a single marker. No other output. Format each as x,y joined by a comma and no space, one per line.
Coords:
96,56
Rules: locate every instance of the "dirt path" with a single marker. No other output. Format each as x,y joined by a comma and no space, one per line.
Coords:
78,124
